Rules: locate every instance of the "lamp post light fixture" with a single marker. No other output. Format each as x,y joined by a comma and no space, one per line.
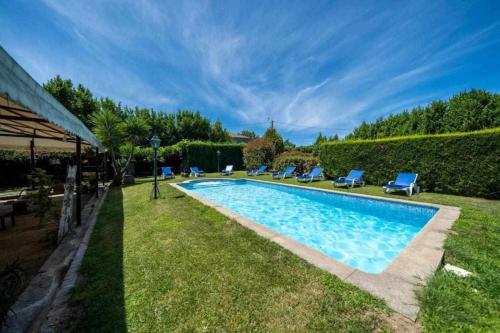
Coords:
155,144
218,160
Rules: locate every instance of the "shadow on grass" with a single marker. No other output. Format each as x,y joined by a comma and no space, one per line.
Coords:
100,294
143,180
180,196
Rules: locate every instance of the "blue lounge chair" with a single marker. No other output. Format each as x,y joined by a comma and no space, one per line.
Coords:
404,182
260,171
315,174
288,172
227,171
166,172
355,177
196,172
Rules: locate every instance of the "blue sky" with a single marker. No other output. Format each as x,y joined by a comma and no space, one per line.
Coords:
309,65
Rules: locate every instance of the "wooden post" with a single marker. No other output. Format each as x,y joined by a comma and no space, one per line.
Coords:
105,169
65,222
97,172
32,155
32,160
78,181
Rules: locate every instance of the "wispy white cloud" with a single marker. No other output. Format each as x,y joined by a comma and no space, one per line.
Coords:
323,66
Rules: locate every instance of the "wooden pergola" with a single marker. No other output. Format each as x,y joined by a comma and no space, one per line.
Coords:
30,117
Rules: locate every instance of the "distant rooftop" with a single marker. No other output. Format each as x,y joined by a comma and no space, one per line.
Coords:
237,138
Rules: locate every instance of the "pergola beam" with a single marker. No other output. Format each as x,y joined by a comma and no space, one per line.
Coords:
44,123
18,130
28,135
47,125
21,118
21,127
10,107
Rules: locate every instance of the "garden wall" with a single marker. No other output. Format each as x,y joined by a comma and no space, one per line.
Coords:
457,163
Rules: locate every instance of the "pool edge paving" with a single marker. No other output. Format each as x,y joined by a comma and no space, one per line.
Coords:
396,285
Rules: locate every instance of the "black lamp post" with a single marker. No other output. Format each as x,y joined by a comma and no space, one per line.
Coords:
155,143
218,160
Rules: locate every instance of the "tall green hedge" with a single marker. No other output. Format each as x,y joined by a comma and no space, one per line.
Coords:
184,154
457,163
145,154
204,155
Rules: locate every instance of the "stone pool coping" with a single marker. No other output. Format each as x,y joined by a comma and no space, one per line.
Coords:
396,285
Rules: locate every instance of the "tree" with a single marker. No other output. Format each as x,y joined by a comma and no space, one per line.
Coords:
289,145
108,104
249,134
161,124
62,90
119,136
169,134
360,132
84,104
466,111
432,117
171,127
276,139
258,152
334,138
78,101
473,110
192,126
218,133
320,139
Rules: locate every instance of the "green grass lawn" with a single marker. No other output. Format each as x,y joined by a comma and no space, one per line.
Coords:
176,265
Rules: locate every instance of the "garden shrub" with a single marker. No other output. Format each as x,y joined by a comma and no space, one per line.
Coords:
457,163
258,152
305,149
302,161
41,199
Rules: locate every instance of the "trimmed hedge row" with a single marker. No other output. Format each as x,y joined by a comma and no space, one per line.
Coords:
184,154
145,154
204,155
167,156
457,163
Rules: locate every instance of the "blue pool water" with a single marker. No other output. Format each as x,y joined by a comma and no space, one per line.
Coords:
366,234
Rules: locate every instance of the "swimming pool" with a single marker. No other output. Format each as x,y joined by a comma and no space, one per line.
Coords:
365,233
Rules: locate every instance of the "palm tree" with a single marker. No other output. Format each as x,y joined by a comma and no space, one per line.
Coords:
120,137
